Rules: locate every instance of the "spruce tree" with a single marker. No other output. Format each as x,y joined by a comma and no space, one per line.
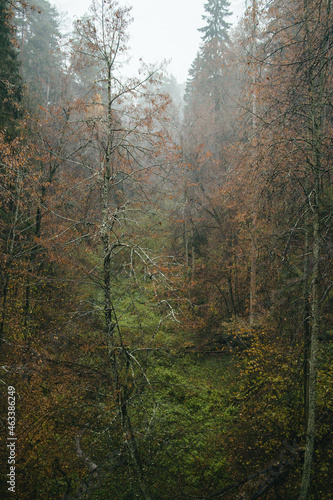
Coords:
206,73
10,80
39,37
216,27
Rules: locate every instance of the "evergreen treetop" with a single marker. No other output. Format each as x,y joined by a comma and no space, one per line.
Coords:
216,25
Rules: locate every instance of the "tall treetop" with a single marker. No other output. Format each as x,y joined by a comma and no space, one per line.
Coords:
216,25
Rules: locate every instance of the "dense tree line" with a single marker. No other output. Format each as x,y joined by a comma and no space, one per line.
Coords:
166,269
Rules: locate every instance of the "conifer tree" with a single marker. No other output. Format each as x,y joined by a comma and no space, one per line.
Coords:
205,87
216,25
39,37
10,81
206,70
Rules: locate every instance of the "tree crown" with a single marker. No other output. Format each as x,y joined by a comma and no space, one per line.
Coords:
216,25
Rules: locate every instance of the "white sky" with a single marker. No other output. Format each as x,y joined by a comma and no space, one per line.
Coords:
160,30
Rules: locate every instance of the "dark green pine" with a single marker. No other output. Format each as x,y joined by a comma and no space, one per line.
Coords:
10,80
216,27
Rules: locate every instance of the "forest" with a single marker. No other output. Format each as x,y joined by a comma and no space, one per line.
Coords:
166,259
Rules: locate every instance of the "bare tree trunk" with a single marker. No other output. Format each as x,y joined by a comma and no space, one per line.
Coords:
253,272
315,118
306,320
312,381
117,357
253,249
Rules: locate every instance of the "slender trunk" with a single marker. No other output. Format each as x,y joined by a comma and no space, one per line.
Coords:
311,424
186,243
33,255
4,303
306,321
253,272
111,325
236,284
233,308
107,225
316,85
39,213
26,309
253,249
130,441
193,256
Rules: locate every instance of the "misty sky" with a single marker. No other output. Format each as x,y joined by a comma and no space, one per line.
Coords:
160,30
